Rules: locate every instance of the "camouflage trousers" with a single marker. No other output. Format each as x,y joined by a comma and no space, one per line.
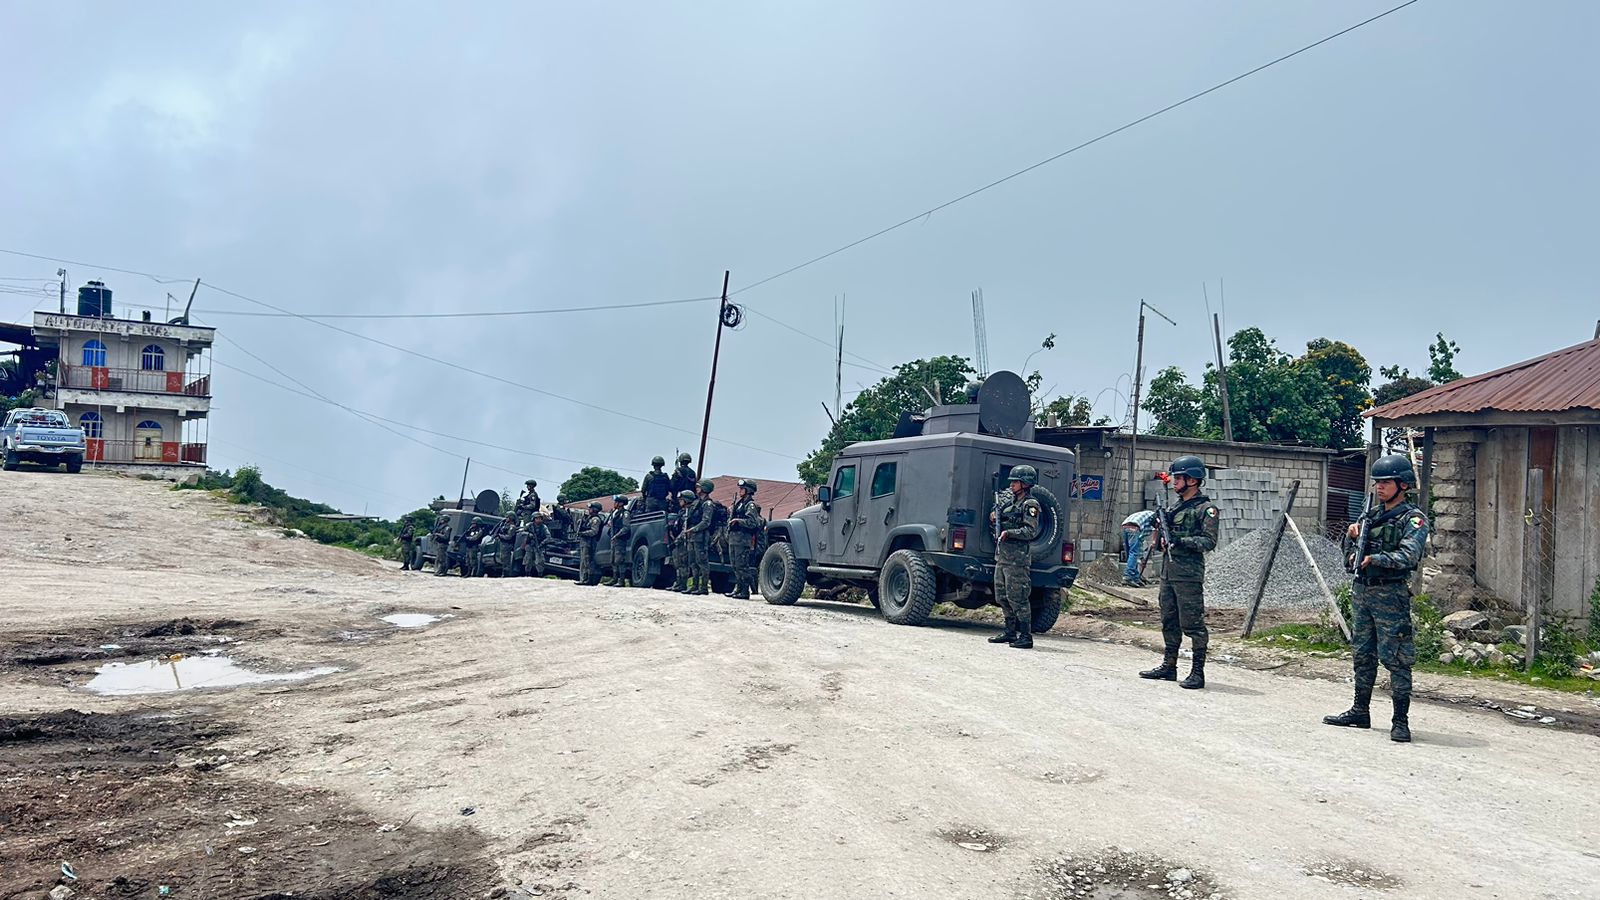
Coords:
621,567
470,562
532,561
1381,631
1012,583
587,572
1183,611
679,553
700,555
407,553
743,560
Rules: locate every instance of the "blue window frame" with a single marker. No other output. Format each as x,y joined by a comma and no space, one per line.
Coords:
94,353
153,359
93,426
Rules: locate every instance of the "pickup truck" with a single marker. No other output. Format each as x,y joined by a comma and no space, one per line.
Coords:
41,436
649,559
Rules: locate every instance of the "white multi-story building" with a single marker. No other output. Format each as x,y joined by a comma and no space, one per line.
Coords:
140,389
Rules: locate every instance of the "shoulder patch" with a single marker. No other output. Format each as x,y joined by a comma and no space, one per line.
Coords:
1418,521
1211,511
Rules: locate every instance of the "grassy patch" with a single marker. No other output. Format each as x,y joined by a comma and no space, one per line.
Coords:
1569,684
1305,636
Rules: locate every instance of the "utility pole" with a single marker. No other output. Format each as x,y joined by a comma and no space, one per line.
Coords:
711,389
462,502
63,274
1222,380
838,365
1138,380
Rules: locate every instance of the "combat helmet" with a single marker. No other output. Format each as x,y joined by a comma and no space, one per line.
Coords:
708,485
618,498
657,462
1028,475
531,483
595,505
686,496
1394,467
746,484
684,459
1191,466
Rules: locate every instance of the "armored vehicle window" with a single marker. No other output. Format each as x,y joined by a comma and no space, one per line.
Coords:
844,483
883,478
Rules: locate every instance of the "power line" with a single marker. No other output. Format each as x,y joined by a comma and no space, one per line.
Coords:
456,315
1070,150
73,262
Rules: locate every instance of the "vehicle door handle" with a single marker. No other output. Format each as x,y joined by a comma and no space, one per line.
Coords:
888,515
848,523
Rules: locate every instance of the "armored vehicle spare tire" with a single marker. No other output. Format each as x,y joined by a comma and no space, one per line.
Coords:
907,588
781,577
1046,605
1047,546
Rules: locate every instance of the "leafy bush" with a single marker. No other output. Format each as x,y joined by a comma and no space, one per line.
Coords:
1428,623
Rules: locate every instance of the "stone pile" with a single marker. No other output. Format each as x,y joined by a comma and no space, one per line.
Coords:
1232,570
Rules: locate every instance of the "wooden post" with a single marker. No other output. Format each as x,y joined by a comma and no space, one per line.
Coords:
711,388
1333,602
1532,567
1272,555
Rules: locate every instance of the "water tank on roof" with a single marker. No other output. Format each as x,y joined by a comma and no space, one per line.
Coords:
94,300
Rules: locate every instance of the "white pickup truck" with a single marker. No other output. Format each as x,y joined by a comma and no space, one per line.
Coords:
42,436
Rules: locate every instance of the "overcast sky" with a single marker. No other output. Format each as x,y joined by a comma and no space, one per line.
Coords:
1433,170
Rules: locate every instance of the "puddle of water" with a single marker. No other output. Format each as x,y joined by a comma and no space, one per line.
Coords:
411,620
158,676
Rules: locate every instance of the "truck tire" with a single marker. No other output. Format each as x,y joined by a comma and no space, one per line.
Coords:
907,588
1047,546
10,464
74,465
781,577
1046,605
640,576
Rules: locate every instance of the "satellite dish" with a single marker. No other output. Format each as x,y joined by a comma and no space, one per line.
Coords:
1003,404
487,502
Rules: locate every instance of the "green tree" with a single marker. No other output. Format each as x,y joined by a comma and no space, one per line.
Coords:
875,412
1400,385
1272,397
1070,411
1346,373
1175,403
1442,360
591,481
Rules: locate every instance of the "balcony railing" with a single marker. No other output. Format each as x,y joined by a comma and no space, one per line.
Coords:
138,381
155,453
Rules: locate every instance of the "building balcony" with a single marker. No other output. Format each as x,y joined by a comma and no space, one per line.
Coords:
134,381
155,453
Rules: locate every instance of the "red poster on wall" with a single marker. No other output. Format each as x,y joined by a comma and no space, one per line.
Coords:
169,451
174,382
96,450
99,378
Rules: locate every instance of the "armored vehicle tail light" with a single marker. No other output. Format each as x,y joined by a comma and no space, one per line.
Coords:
958,540
1066,553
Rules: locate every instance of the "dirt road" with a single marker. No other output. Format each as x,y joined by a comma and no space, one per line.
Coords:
551,740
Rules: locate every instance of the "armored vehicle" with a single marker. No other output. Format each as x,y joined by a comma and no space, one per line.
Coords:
649,556
483,509
907,518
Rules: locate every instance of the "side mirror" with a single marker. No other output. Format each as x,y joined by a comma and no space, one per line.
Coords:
825,496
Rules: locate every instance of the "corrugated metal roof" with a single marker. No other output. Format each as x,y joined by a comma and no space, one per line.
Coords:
1564,380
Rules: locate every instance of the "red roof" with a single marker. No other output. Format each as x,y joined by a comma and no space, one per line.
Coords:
1556,382
778,499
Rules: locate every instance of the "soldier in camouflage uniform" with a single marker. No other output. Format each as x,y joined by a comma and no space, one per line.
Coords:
529,501
678,542
656,488
408,547
744,536
441,542
472,562
1380,605
1192,526
683,477
589,534
620,564
697,529
1016,517
534,535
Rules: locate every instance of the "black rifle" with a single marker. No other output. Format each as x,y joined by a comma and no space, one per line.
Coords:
1358,550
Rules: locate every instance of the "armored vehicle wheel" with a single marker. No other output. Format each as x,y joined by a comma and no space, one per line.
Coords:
1046,605
781,577
1047,546
907,588
641,567
11,461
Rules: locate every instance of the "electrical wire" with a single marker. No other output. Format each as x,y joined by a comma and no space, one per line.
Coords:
455,315
1070,150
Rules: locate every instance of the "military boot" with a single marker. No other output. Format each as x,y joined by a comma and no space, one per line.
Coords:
1024,639
1197,672
680,583
741,592
1357,716
1167,671
705,586
1010,634
1400,730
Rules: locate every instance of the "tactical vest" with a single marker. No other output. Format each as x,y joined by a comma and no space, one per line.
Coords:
1384,535
719,516
659,487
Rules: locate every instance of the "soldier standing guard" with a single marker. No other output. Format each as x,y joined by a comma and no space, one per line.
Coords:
1016,516
1192,526
441,544
536,534
619,542
657,487
702,515
472,561
1380,604
408,543
683,477
590,533
744,534
529,501
678,542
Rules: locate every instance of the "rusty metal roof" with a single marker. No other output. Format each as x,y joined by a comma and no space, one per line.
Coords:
1564,380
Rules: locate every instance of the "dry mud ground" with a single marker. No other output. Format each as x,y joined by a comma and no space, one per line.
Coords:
550,740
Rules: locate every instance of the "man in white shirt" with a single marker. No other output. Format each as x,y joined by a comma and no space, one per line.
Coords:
1135,531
